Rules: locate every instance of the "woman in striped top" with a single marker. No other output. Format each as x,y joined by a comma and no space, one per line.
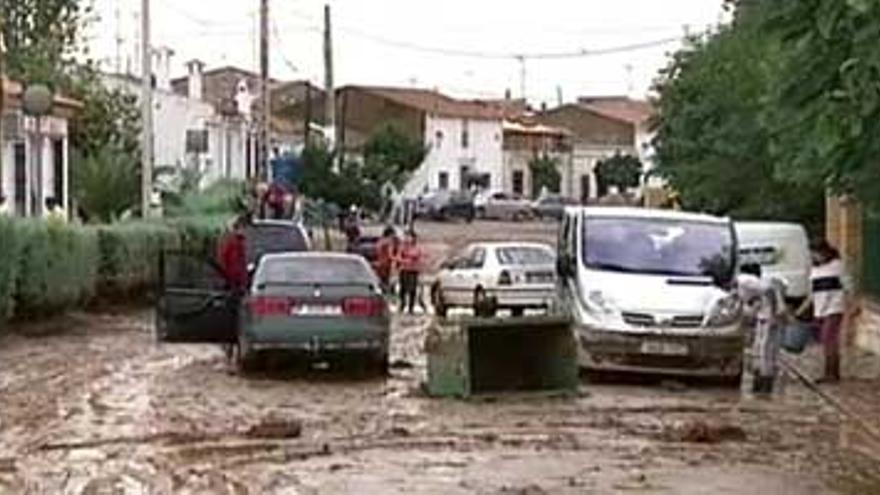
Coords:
830,291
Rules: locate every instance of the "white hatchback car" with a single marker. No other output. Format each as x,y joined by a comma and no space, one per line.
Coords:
489,276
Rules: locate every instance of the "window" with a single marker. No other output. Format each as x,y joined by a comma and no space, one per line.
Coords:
443,181
518,182
438,139
465,134
196,141
58,165
476,259
524,256
20,178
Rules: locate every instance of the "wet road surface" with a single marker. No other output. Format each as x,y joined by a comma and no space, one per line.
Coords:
89,404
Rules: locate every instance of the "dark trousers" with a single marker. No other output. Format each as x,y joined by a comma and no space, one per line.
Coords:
409,285
831,328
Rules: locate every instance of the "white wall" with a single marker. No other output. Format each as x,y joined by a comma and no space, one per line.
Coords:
484,154
174,115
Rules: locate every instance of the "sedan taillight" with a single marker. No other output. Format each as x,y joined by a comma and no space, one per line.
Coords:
363,307
270,306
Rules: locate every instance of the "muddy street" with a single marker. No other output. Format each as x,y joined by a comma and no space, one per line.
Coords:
90,404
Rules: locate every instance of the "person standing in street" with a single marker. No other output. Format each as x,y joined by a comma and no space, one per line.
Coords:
386,253
764,304
232,258
830,297
409,261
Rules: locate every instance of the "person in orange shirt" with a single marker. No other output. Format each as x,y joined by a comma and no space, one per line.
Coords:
409,260
386,252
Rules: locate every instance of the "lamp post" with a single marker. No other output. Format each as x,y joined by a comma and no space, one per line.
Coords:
37,102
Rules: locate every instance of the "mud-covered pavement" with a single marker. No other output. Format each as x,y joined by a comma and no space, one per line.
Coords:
90,404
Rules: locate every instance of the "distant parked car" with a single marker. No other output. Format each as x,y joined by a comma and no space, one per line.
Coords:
366,247
551,206
446,205
503,206
512,275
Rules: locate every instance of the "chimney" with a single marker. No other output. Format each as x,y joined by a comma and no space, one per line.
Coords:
163,68
508,94
195,69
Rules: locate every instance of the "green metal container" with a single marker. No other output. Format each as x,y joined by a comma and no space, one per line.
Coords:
479,356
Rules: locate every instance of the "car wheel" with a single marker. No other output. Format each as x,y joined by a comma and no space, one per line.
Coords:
517,312
440,308
481,213
484,306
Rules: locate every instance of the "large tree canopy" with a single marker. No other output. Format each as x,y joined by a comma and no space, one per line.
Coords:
826,123
715,141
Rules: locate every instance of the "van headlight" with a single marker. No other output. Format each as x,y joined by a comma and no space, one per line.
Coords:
600,301
725,311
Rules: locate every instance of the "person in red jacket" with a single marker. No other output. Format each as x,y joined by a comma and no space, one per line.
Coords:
386,252
232,255
410,262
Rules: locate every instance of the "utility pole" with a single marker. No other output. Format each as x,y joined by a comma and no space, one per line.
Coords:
265,100
330,98
147,111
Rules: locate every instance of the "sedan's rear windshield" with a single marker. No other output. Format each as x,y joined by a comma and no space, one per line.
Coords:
309,271
524,255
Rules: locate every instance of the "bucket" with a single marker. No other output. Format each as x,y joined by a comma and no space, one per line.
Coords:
797,336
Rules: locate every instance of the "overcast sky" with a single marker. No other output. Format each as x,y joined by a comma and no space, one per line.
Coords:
398,42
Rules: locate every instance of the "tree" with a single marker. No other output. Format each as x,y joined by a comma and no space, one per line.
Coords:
105,184
714,143
41,38
827,124
545,174
321,180
391,155
621,171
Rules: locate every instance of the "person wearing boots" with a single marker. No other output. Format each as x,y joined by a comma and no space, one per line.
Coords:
830,294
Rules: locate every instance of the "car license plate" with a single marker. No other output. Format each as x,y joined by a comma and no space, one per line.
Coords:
664,348
317,310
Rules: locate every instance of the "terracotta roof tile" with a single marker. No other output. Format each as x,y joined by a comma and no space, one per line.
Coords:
434,102
619,108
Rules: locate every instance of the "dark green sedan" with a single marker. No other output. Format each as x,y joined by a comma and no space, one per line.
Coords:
310,306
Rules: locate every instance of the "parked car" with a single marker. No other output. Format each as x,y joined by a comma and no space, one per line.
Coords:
491,276
314,306
366,247
782,250
264,237
503,206
551,206
446,205
649,291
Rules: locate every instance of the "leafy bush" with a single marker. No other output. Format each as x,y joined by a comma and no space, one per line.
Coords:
222,197
57,267
46,268
10,245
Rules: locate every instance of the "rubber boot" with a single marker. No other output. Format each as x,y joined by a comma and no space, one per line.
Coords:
832,369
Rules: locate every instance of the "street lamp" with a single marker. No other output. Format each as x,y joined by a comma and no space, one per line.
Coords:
37,102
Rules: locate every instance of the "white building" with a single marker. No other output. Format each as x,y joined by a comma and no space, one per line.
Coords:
35,160
523,143
464,139
189,131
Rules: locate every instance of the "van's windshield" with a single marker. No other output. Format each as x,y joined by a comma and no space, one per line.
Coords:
659,247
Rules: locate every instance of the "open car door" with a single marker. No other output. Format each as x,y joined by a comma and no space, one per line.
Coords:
194,305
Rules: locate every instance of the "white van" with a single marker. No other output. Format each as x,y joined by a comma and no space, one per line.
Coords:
782,250
647,291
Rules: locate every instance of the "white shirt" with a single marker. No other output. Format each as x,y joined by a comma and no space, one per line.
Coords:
830,284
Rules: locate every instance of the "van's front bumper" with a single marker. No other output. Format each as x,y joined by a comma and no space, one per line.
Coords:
708,354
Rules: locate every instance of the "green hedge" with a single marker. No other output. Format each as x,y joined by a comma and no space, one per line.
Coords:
46,268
